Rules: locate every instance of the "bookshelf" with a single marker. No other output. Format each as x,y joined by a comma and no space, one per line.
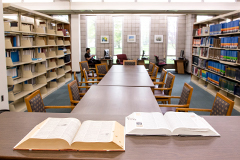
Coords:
216,55
38,54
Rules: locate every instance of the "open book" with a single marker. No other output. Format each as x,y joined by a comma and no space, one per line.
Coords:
171,123
70,134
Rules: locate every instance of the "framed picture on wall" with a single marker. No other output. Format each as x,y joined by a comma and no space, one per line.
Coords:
104,39
158,38
131,38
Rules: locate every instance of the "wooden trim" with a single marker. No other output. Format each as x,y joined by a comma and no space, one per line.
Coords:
135,61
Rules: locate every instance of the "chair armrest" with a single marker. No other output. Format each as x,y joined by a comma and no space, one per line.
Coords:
158,82
173,105
154,78
95,78
162,88
84,86
167,97
91,82
56,107
150,73
73,101
193,109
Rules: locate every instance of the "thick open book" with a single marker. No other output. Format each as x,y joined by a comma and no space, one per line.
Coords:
171,123
70,134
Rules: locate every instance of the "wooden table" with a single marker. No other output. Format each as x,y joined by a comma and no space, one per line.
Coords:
127,69
141,79
115,100
14,126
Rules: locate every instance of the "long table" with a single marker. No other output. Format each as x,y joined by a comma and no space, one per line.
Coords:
127,69
14,126
116,100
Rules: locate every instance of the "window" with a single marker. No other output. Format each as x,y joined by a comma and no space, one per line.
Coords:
186,0
38,0
11,1
172,36
61,17
202,18
117,21
219,0
145,34
91,33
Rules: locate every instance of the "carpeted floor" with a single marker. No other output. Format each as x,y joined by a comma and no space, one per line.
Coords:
200,98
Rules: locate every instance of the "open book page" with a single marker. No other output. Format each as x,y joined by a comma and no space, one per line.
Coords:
146,123
58,128
95,131
187,123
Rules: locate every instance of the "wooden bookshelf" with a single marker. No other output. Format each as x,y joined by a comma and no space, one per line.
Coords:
207,85
49,41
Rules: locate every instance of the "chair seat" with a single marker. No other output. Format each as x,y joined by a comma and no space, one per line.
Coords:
158,93
90,75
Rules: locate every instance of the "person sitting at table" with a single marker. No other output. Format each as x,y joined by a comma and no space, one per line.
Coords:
90,58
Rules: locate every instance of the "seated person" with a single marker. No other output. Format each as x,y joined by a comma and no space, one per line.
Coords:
90,58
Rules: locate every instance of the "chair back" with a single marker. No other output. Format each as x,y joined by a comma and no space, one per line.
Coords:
76,78
186,95
169,84
130,62
73,91
222,105
155,71
122,57
151,67
84,64
34,102
162,77
101,69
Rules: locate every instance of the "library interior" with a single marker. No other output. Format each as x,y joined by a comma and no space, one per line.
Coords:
120,79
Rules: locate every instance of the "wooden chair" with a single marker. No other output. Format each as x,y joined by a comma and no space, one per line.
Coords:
81,91
162,94
101,69
86,78
35,103
184,99
84,64
130,62
74,93
160,84
154,74
151,68
221,106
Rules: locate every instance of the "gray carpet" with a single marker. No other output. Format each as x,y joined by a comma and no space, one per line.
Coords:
200,98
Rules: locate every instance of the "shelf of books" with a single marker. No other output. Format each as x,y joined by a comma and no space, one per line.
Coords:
38,54
216,56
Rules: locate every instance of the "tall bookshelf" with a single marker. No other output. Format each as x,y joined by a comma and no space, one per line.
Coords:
38,54
211,54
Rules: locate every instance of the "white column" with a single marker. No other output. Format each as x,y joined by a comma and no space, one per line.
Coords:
75,42
3,72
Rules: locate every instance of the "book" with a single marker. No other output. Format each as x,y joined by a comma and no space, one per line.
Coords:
63,134
171,123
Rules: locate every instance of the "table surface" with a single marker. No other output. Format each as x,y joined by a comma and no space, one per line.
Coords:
141,79
14,126
128,69
116,100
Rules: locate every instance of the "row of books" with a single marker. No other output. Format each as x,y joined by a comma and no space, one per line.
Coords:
15,40
12,72
215,29
29,67
201,31
230,42
227,55
227,84
14,54
233,72
217,67
204,52
32,81
213,78
196,42
214,53
229,27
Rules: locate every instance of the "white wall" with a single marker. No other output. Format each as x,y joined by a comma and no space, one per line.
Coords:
75,41
3,72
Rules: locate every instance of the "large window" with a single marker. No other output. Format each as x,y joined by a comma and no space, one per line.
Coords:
118,21
145,34
91,33
172,37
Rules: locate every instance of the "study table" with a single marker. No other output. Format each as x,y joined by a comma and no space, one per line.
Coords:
128,69
117,100
14,126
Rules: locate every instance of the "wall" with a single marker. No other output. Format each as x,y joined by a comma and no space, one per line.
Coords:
131,26
3,73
